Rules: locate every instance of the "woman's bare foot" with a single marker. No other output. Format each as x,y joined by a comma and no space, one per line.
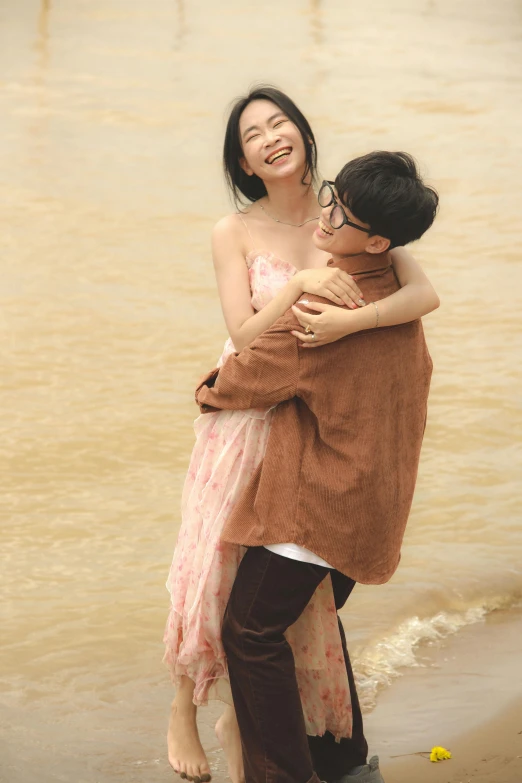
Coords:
228,735
186,754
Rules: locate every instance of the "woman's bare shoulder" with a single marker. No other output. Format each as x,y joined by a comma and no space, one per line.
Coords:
230,226
230,242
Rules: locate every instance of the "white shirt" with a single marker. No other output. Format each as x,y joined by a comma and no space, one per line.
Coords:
295,552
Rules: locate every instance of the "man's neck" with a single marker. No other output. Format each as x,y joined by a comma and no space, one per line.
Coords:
362,263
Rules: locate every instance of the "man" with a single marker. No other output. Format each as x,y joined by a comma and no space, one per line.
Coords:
333,493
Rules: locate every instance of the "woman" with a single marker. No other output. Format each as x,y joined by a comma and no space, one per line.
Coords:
264,259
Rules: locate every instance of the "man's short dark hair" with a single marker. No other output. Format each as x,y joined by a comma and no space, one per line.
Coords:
385,191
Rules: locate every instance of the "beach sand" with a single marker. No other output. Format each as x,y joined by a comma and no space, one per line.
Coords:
467,697
491,753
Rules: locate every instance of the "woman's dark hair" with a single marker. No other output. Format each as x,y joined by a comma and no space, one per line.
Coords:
252,187
386,191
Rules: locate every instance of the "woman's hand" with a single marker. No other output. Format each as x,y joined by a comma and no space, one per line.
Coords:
330,324
330,283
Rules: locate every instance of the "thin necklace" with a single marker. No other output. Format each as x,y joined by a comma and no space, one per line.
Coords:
295,225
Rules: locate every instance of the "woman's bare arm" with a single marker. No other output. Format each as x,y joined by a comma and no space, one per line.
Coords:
416,298
229,248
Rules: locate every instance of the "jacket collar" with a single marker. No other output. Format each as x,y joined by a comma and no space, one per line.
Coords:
363,264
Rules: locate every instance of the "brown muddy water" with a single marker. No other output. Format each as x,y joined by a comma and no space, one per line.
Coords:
112,120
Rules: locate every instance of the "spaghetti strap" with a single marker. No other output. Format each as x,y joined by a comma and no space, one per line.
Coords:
247,229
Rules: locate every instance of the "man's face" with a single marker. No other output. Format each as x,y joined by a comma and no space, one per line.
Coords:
352,238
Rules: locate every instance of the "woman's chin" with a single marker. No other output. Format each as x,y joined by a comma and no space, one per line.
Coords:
289,168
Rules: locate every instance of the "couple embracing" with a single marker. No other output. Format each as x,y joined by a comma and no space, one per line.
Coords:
306,453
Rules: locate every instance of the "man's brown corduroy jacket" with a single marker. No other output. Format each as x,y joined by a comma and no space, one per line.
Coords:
341,461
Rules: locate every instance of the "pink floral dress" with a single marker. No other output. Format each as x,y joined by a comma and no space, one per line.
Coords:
229,446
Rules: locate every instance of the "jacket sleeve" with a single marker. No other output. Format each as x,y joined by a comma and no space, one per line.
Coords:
262,375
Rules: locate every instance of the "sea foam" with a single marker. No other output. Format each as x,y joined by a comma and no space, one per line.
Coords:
377,664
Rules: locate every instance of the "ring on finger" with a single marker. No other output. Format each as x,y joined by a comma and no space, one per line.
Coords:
312,335
308,329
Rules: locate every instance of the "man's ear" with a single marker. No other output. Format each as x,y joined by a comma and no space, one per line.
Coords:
246,168
377,244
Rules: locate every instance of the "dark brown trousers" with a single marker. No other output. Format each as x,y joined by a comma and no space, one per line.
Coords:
269,594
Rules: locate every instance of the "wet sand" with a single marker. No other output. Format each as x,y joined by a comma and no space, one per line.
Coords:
489,754
467,697
110,183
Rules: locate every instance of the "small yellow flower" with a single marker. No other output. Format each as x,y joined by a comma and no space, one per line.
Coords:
439,754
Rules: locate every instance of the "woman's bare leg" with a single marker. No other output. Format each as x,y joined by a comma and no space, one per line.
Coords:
186,754
228,735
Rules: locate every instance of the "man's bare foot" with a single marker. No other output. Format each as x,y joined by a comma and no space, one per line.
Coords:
227,732
186,754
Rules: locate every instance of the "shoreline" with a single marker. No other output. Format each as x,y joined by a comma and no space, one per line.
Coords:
466,696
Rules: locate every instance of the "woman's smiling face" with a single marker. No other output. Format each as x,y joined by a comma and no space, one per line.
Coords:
273,147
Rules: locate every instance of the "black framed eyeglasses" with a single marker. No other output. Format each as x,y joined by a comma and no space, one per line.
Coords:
337,219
